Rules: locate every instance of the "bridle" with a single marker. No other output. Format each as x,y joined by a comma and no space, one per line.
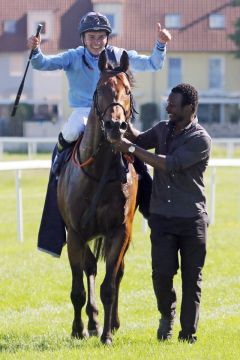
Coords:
101,114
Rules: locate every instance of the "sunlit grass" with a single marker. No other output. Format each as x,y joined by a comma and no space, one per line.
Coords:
35,308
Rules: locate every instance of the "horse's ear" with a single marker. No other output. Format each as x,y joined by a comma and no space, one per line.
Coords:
124,61
102,62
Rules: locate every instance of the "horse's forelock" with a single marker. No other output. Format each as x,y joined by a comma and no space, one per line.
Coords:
116,72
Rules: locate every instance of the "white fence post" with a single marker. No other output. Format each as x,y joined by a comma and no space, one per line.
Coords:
19,206
32,149
1,149
18,166
230,150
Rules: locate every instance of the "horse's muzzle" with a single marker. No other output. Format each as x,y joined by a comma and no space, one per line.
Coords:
114,129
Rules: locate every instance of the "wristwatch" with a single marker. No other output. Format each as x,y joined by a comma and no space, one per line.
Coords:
131,149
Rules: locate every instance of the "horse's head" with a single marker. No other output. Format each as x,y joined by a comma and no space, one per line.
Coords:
113,99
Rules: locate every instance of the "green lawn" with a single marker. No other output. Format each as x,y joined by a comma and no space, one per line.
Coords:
35,308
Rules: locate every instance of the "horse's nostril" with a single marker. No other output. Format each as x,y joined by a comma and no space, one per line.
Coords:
108,125
116,125
123,125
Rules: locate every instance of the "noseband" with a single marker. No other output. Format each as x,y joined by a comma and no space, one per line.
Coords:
100,113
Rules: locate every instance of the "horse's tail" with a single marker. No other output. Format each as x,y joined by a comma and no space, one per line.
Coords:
99,248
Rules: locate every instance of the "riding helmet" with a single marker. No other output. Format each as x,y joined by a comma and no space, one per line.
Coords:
94,21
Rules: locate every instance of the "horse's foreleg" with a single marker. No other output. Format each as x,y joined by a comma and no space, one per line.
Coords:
90,269
78,293
115,324
107,293
114,260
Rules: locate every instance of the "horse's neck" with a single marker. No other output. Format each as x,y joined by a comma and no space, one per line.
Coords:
92,137
94,143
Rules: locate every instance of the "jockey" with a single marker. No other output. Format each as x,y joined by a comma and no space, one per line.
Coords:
81,68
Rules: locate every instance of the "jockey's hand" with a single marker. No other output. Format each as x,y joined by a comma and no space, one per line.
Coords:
163,34
34,42
122,145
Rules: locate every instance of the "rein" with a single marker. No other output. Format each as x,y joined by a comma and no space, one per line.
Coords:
87,162
101,114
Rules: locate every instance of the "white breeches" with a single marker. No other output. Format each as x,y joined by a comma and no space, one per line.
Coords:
75,124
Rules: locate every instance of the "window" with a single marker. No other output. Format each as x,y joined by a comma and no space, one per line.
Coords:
232,113
217,21
113,11
45,112
10,26
174,72
45,18
215,74
209,113
172,21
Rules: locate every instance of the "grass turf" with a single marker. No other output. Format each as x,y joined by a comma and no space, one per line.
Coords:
35,308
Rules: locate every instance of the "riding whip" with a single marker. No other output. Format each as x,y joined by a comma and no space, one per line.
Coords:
19,93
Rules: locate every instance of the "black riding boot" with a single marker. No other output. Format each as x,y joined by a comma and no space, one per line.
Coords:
144,187
60,154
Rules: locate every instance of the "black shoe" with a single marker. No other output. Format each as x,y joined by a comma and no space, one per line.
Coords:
165,329
189,338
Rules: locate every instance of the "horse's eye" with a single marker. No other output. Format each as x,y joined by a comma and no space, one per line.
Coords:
128,92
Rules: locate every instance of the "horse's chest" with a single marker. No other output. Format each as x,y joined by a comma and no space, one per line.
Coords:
109,210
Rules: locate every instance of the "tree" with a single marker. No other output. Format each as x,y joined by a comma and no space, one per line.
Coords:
235,37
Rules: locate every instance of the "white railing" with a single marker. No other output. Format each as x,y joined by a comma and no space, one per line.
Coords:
18,166
32,143
229,143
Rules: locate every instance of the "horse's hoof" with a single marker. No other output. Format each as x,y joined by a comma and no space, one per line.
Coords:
106,341
95,332
85,334
80,335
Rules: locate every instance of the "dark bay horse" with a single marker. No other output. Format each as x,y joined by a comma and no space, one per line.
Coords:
98,200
